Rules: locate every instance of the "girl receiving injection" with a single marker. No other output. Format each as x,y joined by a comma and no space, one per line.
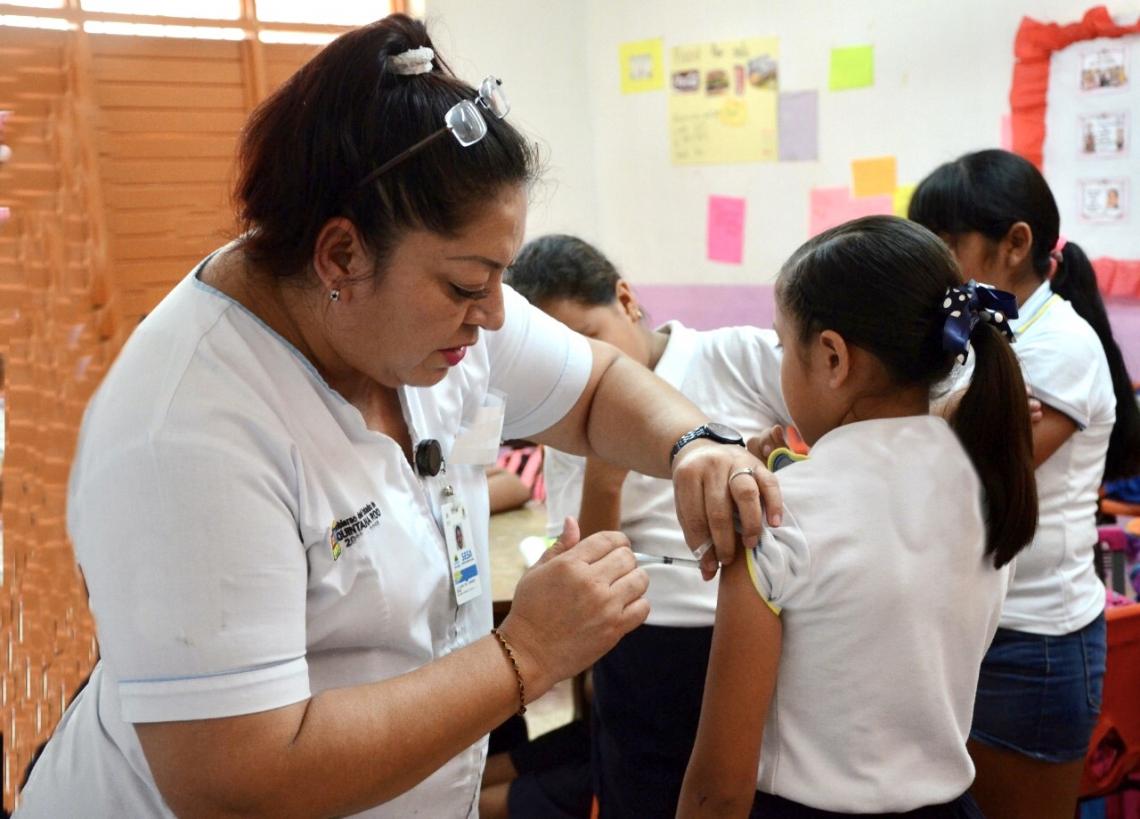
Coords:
847,645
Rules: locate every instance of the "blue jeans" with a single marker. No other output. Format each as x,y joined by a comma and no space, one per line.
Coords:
1039,695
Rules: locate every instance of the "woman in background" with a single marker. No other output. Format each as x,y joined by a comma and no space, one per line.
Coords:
647,690
1040,689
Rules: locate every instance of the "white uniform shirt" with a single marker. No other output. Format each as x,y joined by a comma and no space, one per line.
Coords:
733,376
213,467
888,606
1055,589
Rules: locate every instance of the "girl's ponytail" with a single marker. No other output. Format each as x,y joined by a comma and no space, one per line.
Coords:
1076,282
992,422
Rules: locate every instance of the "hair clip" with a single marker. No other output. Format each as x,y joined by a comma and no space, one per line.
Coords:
413,61
965,306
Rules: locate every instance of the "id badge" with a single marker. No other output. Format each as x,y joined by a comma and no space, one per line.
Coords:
461,552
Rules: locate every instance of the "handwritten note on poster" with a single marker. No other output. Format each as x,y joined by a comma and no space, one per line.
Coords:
726,229
723,101
799,126
876,176
851,67
642,66
834,206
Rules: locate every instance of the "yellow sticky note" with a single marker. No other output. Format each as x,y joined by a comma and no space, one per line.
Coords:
642,66
902,196
874,177
852,67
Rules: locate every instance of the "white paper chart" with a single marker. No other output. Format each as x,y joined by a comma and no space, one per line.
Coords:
1090,158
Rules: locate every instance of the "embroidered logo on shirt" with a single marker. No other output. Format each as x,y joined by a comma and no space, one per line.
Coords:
344,533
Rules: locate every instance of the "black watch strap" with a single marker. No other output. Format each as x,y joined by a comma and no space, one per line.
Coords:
720,433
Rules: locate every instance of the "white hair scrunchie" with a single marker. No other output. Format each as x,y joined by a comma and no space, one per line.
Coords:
412,61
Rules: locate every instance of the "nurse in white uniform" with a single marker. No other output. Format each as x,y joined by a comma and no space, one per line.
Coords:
278,500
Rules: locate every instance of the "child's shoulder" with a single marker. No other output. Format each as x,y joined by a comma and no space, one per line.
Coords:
890,455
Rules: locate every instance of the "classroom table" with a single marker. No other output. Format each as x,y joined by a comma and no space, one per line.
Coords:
507,564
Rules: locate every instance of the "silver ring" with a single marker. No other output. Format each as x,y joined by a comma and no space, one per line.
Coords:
746,471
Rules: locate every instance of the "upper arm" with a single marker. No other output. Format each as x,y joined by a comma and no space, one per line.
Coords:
214,767
545,370
198,578
743,665
570,432
198,581
1050,433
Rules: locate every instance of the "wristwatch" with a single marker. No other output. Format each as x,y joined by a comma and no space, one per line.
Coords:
721,433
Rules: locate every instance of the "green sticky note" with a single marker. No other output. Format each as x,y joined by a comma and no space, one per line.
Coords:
852,67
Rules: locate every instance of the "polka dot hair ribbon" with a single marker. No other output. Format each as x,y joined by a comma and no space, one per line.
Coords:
965,306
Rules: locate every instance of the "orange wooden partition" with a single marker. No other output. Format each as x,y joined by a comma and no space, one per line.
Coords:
118,184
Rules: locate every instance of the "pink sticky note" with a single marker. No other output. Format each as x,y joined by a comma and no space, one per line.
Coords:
726,229
1007,132
834,206
5,214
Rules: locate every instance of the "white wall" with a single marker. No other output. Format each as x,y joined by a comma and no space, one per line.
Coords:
942,76
539,50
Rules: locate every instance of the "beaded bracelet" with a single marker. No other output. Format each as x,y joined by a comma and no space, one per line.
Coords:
514,664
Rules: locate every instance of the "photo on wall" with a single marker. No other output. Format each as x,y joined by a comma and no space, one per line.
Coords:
1105,69
1104,201
1104,135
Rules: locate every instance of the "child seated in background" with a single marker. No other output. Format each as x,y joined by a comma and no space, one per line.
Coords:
647,690
847,644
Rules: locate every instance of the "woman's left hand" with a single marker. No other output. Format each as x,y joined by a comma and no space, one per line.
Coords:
713,481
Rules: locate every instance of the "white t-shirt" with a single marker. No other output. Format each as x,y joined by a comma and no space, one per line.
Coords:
1055,588
733,375
214,472
888,606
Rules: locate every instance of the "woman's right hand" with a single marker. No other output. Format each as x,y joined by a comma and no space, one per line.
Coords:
573,606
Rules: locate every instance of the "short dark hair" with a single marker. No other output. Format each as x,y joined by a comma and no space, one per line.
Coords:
305,150
559,266
880,282
988,192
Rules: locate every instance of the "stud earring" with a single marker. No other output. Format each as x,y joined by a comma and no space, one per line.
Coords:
334,295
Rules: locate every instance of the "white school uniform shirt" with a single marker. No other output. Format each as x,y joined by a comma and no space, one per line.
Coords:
888,605
215,470
733,375
1055,589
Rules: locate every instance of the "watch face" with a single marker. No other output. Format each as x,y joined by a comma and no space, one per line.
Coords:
723,432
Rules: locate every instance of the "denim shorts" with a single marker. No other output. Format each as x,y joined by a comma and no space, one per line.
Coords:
1039,695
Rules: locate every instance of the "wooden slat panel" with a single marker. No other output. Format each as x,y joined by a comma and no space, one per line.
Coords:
157,171
190,196
134,248
218,122
119,145
141,96
169,223
134,69
160,48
